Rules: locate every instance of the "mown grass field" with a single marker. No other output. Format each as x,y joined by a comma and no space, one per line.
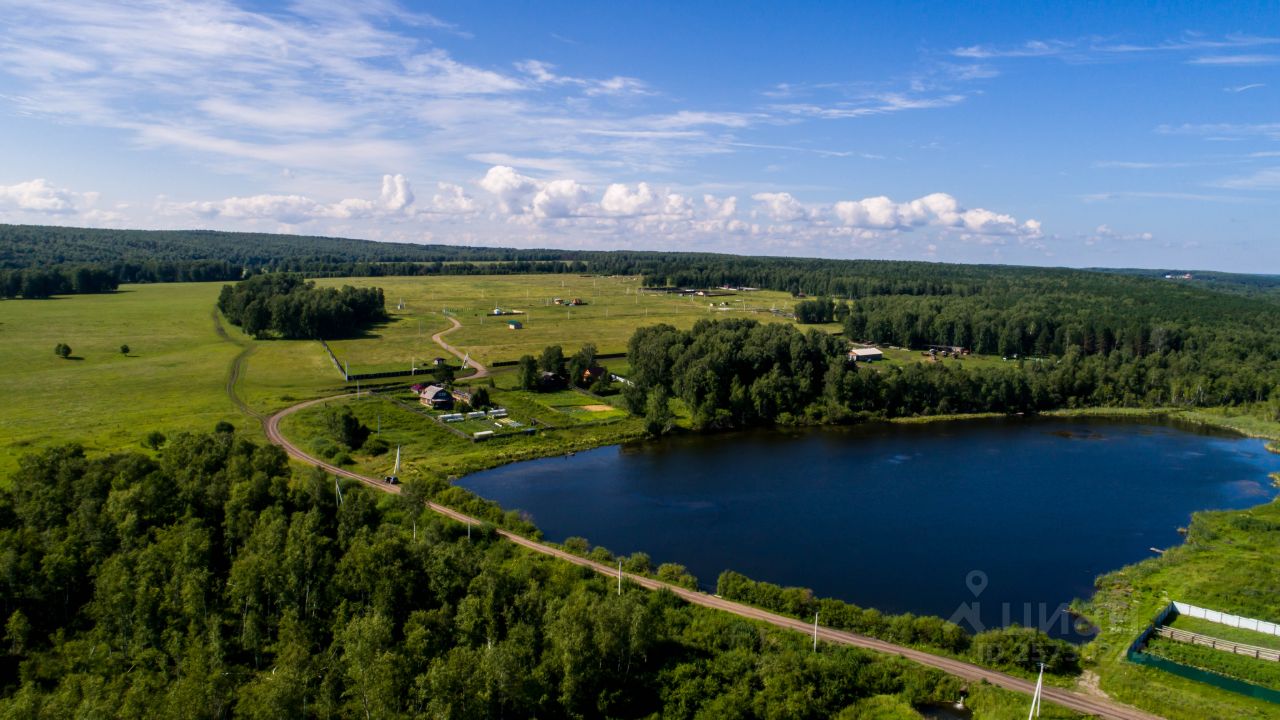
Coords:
173,378
614,309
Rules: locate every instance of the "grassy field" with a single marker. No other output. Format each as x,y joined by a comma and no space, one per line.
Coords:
173,378
613,310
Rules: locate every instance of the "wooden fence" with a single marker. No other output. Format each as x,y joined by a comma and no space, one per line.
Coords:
1252,651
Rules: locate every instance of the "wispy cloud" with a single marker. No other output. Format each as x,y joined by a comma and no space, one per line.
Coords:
1095,48
1270,131
1160,195
1235,60
1242,88
1138,165
877,104
1264,179
1032,48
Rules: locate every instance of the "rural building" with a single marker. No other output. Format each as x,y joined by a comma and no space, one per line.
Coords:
550,381
515,325
462,396
865,354
577,301
437,361
436,398
498,311
592,374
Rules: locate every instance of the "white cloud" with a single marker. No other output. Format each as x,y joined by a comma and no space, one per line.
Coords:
451,199
1235,60
620,199
1242,88
559,199
508,186
1264,179
937,209
396,199
781,206
396,193
1032,48
39,196
1103,234
1228,130
544,74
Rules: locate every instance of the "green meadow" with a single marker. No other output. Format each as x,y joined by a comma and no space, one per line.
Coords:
174,377
613,309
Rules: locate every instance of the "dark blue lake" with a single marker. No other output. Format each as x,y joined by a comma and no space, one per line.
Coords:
986,522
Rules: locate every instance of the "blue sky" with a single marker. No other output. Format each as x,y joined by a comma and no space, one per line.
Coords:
1098,134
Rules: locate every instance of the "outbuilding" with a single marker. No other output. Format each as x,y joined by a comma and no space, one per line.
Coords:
515,325
865,354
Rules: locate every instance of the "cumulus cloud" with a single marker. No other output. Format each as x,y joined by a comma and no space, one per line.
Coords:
451,199
39,196
781,206
509,187
937,209
559,199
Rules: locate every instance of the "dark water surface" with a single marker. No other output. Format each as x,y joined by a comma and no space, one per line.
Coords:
986,522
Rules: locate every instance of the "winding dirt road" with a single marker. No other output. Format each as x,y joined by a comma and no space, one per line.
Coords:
480,370
1080,702
1077,701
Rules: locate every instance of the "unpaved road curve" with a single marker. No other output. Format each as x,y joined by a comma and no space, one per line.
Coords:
1080,702
480,370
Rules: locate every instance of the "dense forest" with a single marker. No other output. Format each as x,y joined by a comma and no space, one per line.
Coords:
738,373
40,283
286,305
211,583
133,256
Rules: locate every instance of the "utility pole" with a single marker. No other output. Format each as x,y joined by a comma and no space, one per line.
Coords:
1035,699
815,632
619,577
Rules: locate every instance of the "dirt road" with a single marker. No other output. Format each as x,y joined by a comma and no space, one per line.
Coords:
480,370
1077,701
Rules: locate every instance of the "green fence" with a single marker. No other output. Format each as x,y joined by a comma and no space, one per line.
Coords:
1211,678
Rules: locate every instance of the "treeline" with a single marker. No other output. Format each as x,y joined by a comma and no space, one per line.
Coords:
741,373
39,283
285,305
209,583
1006,648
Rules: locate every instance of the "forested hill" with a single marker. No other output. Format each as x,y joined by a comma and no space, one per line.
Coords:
42,260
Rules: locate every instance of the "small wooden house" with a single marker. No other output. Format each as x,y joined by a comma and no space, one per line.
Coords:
436,397
515,325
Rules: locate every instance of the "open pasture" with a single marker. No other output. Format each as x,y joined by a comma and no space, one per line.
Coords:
613,308
174,377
